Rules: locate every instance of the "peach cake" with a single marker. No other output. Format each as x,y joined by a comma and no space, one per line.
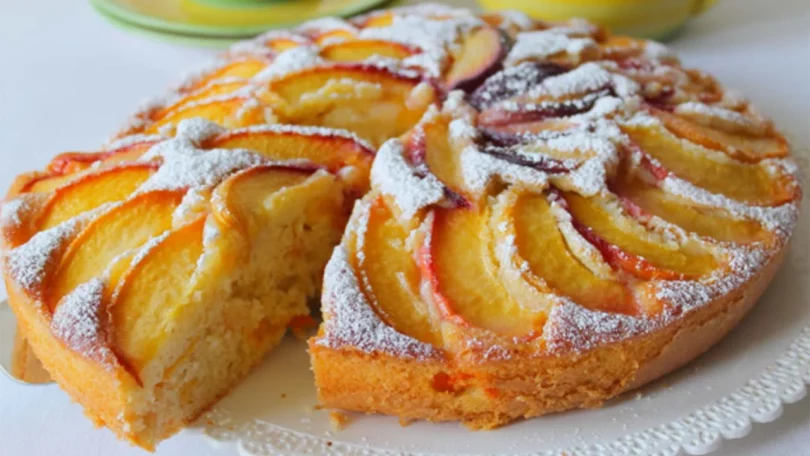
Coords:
509,218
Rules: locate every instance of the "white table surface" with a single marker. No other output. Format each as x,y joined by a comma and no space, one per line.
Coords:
68,79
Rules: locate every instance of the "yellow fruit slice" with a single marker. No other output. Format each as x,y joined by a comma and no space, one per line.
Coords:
626,244
465,281
119,230
542,246
93,190
151,291
390,276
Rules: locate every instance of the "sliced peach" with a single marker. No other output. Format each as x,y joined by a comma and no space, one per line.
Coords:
73,162
528,113
480,55
741,146
624,48
371,101
231,112
458,263
243,194
390,276
511,133
551,264
704,221
213,89
628,245
384,19
38,182
429,146
711,170
92,190
512,82
119,230
331,35
281,44
243,68
359,50
151,291
332,150
501,21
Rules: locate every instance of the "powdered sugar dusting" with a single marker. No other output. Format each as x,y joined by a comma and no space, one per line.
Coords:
434,37
186,166
351,322
289,61
29,263
479,168
576,328
77,322
303,130
779,219
543,44
394,176
743,264
14,212
722,117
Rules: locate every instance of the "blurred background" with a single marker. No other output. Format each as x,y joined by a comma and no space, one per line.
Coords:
216,23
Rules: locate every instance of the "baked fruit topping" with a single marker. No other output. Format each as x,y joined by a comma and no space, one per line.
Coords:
509,218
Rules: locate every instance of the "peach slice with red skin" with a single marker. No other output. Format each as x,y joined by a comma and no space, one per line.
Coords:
72,162
378,20
428,148
212,89
243,68
551,266
707,169
359,50
390,276
38,182
281,44
244,193
152,290
114,232
643,199
232,112
528,113
92,190
512,82
332,151
629,246
458,263
746,147
66,167
481,54
374,102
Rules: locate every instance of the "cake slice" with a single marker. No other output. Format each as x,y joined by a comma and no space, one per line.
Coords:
149,299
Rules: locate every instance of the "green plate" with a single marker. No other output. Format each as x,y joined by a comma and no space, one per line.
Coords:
193,20
185,40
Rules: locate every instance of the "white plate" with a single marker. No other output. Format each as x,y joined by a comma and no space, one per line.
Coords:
762,364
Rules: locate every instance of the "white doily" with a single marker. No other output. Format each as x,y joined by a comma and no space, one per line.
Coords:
701,432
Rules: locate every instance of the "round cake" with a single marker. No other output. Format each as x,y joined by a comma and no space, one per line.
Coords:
502,218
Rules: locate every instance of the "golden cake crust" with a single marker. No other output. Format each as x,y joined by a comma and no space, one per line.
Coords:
425,389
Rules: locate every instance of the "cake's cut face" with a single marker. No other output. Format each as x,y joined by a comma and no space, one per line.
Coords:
540,216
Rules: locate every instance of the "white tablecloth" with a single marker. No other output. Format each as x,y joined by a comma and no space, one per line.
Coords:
68,79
